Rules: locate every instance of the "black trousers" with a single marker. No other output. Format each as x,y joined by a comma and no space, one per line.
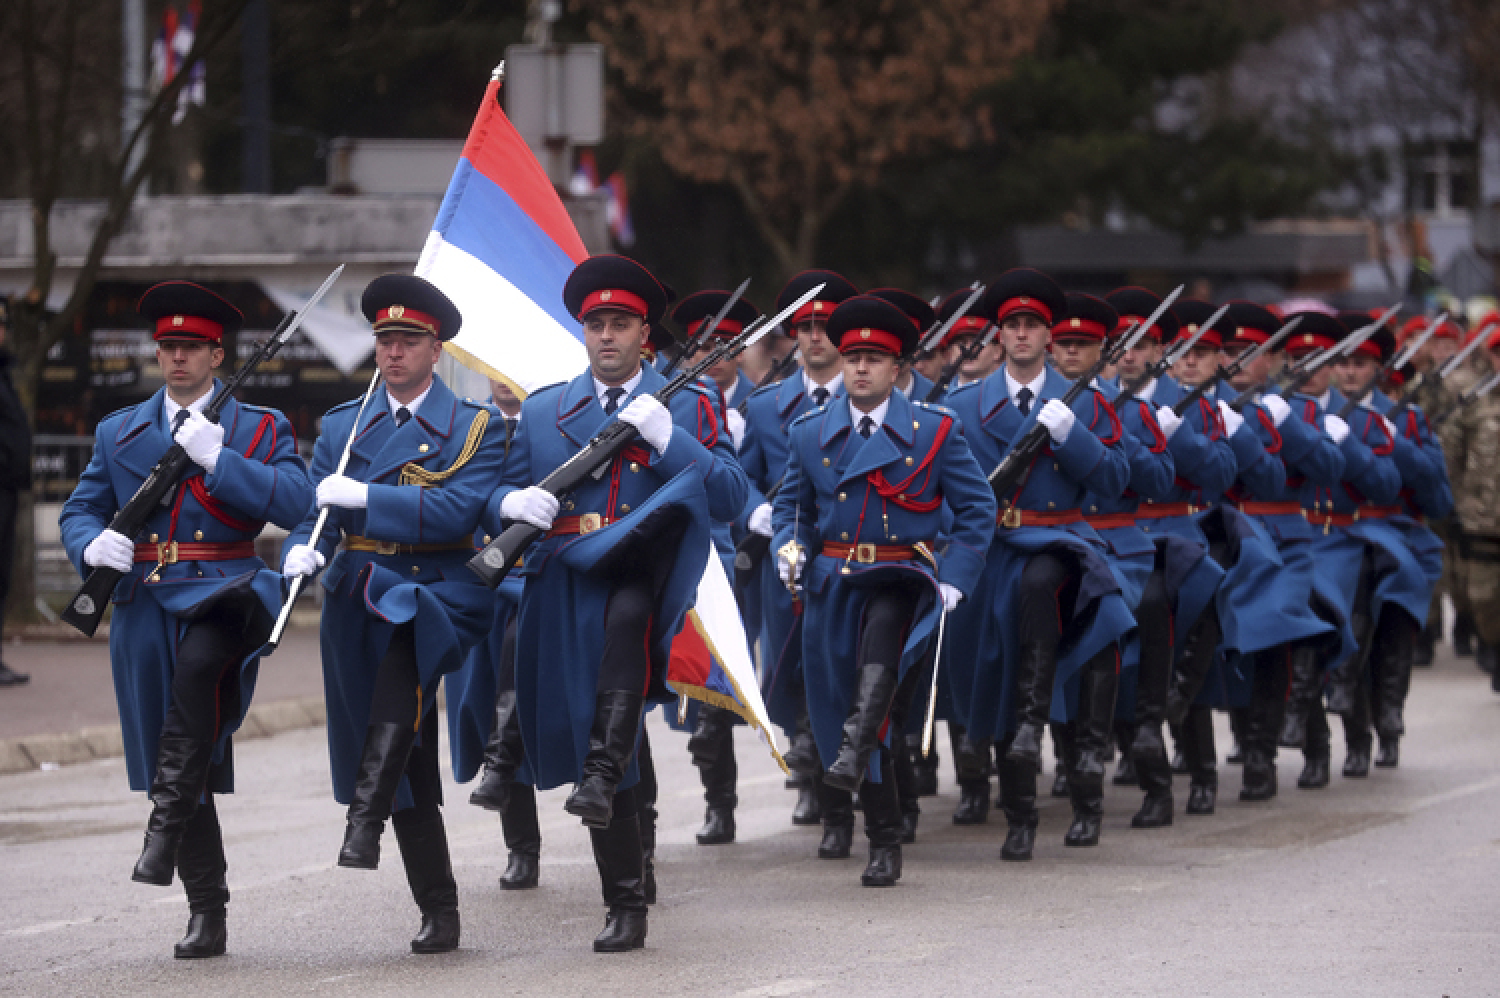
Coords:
634,591
1049,589
399,699
1156,628
882,634
205,679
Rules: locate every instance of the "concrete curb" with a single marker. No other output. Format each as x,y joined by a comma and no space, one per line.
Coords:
19,755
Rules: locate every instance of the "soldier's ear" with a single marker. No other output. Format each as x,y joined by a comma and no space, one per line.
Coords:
216,358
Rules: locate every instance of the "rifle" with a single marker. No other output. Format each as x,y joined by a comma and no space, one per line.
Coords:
593,459
705,331
1169,357
779,370
1479,391
936,334
1393,362
970,351
86,608
1008,474
1239,364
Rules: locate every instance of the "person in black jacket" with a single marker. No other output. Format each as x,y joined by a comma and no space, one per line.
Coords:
15,475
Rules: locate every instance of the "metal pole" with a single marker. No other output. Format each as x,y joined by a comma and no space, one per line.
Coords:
133,77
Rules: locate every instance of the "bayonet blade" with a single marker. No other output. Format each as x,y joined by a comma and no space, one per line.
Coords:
938,332
312,302
1410,351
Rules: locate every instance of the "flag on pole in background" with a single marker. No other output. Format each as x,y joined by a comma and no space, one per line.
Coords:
501,248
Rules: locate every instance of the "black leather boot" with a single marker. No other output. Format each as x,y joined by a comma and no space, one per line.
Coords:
1125,774
1391,664
523,837
1302,694
1487,657
388,746
617,721
715,760
1426,648
1237,725
1389,754
1154,774
971,762
182,765
1035,672
1263,723
1087,796
1018,801
617,852
802,755
718,826
882,802
906,791
715,727
424,852
1357,737
1463,635
1199,653
875,686
838,823
1316,752
809,808
502,756
1094,733
202,869
925,768
884,867
1198,738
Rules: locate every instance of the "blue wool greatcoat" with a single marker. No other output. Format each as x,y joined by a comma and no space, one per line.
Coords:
887,490
259,478
768,419
983,655
920,387
367,595
1425,489
644,498
1370,477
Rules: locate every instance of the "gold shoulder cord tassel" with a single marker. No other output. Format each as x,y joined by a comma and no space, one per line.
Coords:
414,474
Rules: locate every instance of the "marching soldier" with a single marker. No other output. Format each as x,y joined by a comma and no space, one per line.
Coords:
400,608
768,418
916,385
1048,606
608,587
1471,439
867,480
194,605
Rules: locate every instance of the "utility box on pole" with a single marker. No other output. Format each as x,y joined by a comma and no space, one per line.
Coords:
554,95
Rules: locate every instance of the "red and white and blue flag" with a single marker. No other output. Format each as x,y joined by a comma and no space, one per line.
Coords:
501,248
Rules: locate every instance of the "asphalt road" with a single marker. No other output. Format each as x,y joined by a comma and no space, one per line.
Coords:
1386,886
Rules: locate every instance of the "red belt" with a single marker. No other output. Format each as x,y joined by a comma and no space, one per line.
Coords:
1011,518
171,552
1162,510
1326,520
1373,512
566,526
1110,521
869,554
1251,508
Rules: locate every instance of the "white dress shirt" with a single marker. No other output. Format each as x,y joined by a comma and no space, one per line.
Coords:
876,415
411,406
170,409
600,388
833,385
1013,387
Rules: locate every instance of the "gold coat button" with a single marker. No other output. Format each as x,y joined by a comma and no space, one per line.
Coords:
844,536
423,448
197,535
416,569
624,507
901,496
486,538
916,425
155,539
1055,466
1052,505
908,461
842,496
634,466
826,462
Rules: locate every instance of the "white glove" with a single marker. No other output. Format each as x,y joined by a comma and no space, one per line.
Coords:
788,570
110,549
1335,427
302,560
1232,420
951,596
736,427
1277,407
652,419
533,505
337,490
760,520
1058,419
201,439
1167,420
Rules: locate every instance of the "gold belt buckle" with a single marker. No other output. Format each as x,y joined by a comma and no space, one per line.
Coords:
590,522
166,554
386,547
864,553
1011,517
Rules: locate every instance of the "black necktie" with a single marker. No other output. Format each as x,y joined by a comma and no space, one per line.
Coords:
1023,401
178,420
402,415
820,395
866,427
510,426
612,399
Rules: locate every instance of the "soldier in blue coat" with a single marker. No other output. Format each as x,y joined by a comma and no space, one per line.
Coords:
194,604
610,584
401,520
861,508
768,418
1048,605
1407,576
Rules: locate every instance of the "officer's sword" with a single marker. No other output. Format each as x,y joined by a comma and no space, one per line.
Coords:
317,531
937,661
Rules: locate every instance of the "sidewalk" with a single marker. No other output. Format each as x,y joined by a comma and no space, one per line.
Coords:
67,714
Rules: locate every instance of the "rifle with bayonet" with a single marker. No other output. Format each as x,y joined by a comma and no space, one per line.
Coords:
780,369
1479,391
1394,361
86,608
1304,369
939,331
1169,357
593,459
1227,374
1009,472
705,331
970,350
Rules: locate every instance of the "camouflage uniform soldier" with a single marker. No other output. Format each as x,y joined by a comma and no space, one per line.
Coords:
1471,440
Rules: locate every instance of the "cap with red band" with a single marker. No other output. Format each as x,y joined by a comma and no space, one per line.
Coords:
616,282
1089,318
701,306
917,310
182,310
1252,324
1136,305
1024,291
406,303
865,322
974,320
1316,331
836,290
1194,313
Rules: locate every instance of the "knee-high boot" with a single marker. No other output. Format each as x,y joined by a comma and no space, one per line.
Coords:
523,838
617,721
1202,760
619,855
424,852
1263,722
202,868
875,686
1395,653
502,756
1302,695
388,746
182,765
